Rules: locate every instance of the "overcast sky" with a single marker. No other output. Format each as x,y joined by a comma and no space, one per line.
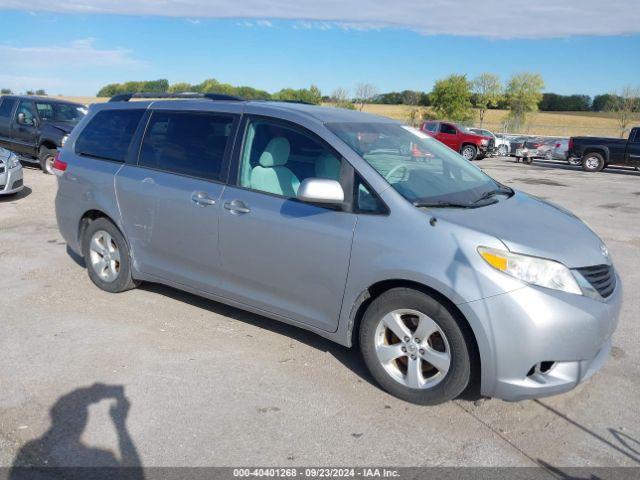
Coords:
579,46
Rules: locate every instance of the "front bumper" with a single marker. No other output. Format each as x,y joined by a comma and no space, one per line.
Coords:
518,330
11,181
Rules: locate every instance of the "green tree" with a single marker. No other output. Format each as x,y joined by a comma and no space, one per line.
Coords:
180,87
308,95
451,98
5,91
626,108
487,92
524,92
40,91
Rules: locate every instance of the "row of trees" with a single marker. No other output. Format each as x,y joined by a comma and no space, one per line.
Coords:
211,85
8,91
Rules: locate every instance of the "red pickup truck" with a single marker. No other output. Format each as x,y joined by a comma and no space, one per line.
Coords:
469,145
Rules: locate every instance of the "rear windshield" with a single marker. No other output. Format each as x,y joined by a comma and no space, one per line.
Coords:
107,135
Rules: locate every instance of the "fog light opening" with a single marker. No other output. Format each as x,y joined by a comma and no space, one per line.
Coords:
541,368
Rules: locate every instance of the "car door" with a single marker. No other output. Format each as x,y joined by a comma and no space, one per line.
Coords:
633,148
25,128
448,135
281,255
170,200
7,105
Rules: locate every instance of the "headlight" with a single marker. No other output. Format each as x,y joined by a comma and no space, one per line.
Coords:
538,271
64,140
484,141
13,161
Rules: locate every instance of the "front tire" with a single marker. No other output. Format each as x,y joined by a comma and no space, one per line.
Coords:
414,347
106,254
592,162
46,157
469,152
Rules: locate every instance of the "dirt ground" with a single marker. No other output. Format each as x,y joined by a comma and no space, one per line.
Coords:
190,382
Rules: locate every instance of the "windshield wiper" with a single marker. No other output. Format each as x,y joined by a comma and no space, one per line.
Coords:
442,204
493,193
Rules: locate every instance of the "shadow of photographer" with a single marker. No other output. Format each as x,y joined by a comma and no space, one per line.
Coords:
60,453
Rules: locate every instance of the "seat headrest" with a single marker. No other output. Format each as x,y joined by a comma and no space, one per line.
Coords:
276,153
327,166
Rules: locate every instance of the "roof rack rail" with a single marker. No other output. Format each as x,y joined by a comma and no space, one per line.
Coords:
125,97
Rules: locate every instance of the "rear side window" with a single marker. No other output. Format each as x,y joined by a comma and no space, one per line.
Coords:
431,126
107,135
6,105
187,143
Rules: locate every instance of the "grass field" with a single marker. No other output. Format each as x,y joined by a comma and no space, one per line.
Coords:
539,123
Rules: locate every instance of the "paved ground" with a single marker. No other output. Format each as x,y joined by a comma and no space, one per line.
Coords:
211,385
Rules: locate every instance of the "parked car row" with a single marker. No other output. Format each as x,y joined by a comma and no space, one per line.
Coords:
469,144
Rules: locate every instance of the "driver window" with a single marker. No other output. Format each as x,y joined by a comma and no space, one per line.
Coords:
26,108
446,128
277,158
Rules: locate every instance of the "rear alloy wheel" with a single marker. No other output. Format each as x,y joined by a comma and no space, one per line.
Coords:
107,257
502,150
592,162
414,348
46,156
469,152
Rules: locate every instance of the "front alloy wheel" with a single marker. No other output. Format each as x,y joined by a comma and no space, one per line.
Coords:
469,152
412,348
416,347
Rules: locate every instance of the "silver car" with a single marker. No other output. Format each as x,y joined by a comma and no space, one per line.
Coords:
11,179
355,227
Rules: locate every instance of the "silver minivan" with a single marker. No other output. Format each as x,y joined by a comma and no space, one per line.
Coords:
353,226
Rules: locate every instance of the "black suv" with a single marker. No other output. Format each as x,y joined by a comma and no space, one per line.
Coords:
35,127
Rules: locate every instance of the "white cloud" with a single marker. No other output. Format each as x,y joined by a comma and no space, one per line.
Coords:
79,53
487,18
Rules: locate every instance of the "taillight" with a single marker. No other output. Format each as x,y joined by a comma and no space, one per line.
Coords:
58,165
558,145
570,143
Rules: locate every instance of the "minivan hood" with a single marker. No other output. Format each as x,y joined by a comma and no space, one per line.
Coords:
535,227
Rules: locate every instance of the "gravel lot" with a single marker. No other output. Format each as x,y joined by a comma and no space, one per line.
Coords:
212,385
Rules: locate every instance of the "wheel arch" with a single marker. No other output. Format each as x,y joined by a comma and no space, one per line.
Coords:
91,215
48,143
602,150
378,288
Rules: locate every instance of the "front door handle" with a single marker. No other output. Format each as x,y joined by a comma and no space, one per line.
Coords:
237,207
202,199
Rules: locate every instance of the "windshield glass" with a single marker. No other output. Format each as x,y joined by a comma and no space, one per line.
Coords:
419,167
60,112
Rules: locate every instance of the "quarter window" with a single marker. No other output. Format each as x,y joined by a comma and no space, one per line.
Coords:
107,135
277,158
187,143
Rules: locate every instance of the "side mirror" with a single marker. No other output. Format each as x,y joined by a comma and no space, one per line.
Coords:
320,190
21,119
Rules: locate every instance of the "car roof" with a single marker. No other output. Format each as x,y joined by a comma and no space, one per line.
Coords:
42,98
317,113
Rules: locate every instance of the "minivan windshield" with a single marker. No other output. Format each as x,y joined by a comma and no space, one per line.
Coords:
419,167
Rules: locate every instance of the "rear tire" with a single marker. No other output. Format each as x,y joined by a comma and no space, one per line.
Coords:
592,162
107,257
469,152
46,157
502,151
390,358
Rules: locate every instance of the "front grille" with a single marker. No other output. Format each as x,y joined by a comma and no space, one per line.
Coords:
1,168
601,277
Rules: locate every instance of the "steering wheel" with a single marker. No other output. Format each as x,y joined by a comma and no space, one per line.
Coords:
391,172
